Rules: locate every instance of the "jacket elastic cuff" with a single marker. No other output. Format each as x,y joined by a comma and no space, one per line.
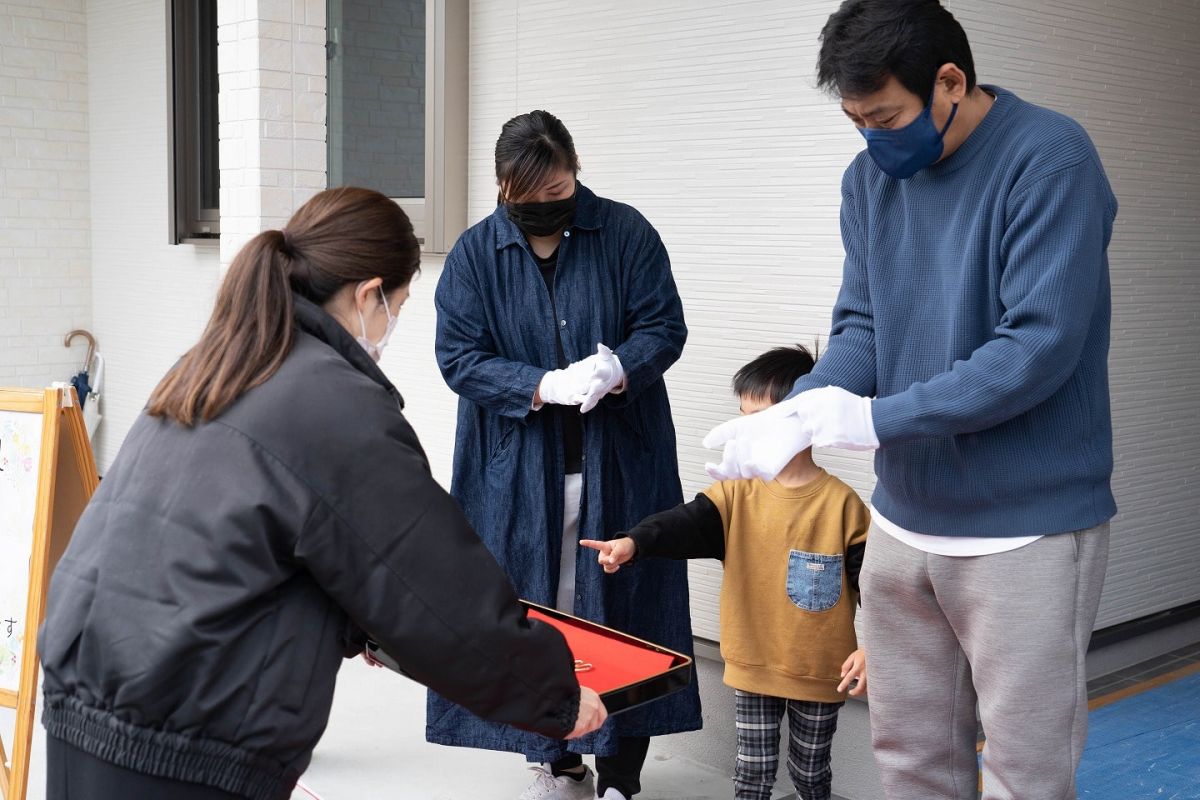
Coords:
354,641
566,714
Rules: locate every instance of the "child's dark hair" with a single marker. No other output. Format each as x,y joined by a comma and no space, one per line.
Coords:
771,375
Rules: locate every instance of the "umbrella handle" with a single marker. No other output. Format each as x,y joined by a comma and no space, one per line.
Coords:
91,340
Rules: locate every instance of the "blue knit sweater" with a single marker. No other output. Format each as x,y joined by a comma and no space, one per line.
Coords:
975,308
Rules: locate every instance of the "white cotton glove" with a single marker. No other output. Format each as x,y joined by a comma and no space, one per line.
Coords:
761,445
757,445
607,376
838,418
569,385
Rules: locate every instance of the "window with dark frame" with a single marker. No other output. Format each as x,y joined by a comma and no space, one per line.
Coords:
377,98
377,95
397,111
195,168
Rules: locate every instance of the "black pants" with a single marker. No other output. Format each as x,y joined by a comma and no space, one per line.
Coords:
622,772
72,774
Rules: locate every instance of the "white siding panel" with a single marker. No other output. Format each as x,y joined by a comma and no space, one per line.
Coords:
151,300
689,111
45,272
409,362
1113,65
704,116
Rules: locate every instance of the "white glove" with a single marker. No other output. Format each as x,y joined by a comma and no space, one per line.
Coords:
757,445
838,418
566,386
761,445
607,376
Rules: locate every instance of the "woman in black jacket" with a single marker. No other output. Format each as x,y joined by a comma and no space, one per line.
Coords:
269,509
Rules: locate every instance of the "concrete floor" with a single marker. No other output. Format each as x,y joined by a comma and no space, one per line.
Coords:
375,748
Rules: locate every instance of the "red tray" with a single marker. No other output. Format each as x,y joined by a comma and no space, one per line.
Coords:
625,671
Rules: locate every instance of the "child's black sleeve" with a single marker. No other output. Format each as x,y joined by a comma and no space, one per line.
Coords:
854,560
689,530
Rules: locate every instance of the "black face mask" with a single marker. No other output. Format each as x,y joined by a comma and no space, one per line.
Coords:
542,219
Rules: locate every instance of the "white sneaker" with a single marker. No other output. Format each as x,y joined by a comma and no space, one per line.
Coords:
611,794
547,787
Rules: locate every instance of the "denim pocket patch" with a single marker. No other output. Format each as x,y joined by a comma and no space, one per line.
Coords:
814,580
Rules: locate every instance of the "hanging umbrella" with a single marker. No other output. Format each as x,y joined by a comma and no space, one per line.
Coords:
82,379
88,381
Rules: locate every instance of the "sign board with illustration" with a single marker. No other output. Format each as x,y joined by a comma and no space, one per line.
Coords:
47,476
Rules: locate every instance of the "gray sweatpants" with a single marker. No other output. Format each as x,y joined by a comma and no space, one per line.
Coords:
1008,632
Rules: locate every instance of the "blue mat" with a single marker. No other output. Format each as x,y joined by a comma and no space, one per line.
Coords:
1145,746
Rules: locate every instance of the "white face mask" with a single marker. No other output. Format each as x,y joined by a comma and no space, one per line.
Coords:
375,349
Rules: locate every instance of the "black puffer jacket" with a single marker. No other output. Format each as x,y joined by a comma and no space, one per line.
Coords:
199,616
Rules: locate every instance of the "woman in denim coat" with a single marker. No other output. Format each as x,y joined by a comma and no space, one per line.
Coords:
557,317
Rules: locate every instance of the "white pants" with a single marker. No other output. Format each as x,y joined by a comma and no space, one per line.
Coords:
572,496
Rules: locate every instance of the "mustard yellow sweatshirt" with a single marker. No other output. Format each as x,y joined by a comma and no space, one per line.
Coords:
791,558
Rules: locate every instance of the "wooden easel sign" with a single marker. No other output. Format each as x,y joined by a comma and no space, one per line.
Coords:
47,476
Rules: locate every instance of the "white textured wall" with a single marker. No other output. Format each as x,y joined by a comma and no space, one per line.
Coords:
45,276
704,116
1110,65
271,61
409,362
151,299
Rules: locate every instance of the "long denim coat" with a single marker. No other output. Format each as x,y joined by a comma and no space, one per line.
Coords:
496,332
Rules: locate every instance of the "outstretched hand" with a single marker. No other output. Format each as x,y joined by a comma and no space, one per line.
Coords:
613,553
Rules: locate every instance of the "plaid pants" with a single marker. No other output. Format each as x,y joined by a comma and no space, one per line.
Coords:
811,725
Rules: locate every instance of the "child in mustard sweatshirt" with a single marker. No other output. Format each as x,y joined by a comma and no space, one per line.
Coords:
792,549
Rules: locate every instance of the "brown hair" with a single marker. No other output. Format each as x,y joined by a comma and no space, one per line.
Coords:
529,148
340,236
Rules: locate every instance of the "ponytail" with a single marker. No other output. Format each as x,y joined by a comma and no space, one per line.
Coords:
339,237
247,338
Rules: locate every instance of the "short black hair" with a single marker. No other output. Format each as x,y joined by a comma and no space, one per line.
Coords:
530,147
772,375
865,41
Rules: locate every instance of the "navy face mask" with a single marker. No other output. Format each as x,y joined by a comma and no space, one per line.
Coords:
903,152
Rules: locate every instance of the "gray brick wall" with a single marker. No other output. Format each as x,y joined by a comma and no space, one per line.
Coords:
377,95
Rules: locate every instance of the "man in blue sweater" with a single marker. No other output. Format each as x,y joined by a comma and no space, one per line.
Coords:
969,350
